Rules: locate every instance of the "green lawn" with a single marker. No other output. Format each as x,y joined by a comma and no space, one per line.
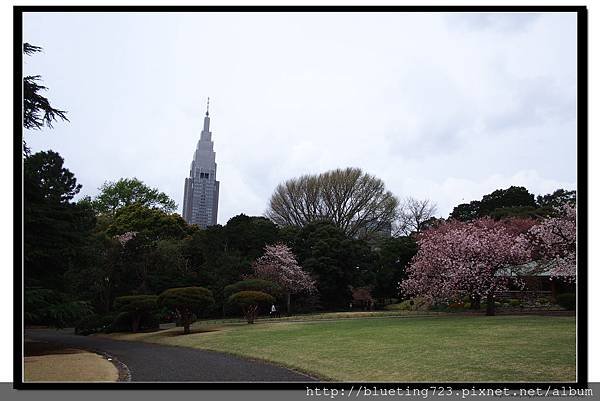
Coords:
449,348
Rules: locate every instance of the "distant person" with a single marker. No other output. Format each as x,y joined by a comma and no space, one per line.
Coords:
273,310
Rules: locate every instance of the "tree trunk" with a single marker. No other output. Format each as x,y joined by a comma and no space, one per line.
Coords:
491,305
250,313
135,322
288,297
186,321
554,288
475,301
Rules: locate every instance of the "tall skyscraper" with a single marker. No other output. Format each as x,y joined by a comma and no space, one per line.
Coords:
201,192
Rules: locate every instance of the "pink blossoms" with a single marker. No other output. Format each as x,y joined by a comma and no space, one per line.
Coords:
474,259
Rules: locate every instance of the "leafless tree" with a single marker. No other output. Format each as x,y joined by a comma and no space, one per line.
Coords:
413,215
354,201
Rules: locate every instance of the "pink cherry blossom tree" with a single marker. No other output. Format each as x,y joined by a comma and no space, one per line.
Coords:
278,264
125,237
475,259
554,243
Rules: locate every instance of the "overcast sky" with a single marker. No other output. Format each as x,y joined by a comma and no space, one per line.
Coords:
441,106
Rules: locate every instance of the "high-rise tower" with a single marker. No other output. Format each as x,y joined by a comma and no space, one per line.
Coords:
201,192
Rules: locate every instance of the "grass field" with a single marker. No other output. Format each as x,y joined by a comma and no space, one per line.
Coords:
437,349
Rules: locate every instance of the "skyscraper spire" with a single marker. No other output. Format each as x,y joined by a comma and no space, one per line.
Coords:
206,128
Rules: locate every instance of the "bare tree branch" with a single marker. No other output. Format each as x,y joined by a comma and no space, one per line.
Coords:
413,215
354,201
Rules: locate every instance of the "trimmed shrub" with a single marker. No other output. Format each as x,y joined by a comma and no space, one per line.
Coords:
250,301
138,307
404,305
48,307
93,324
415,304
122,323
567,300
187,303
265,286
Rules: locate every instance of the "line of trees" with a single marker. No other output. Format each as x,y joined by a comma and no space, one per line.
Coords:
92,253
123,258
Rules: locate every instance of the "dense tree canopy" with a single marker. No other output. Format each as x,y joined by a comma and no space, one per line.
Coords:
111,255
354,201
151,223
56,230
130,191
501,198
557,199
392,255
43,306
334,260
513,202
47,180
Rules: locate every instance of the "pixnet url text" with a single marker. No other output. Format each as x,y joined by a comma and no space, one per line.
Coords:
440,391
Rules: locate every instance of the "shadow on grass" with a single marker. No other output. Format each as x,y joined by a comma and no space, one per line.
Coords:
179,331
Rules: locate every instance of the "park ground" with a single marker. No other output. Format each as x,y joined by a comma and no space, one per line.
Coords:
387,348
45,362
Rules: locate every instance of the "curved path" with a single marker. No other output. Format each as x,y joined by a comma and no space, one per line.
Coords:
154,362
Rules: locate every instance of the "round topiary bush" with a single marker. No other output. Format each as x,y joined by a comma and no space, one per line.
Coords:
250,301
187,303
268,287
138,307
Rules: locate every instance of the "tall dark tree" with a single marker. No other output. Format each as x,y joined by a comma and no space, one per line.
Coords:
466,211
47,180
56,234
392,257
248,235
334,260
152,259
55,229
37,110
510,197
98,276
213,263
